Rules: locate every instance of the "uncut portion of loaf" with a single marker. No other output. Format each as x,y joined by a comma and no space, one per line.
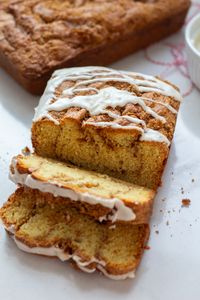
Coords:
103,197
37,37
114,122
58,230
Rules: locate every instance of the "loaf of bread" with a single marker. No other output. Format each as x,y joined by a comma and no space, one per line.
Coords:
37,37
100,196
114,122
58,230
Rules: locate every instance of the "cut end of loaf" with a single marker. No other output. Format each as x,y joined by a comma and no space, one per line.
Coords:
114,122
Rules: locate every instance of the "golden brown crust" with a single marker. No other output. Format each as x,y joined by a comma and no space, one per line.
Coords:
38,37
84,119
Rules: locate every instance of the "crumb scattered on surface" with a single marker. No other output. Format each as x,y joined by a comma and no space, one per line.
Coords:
163,200
157,231
161,210
186,202
192,179
169,211
26,151
167,223
147,247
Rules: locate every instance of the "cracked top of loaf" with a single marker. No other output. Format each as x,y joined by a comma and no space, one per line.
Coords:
118,100
39,35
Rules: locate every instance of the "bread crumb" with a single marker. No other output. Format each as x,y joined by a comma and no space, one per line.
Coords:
167,223
26,151
157,231
186,202
147,247
192,179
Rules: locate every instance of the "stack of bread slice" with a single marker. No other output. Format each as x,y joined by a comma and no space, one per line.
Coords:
101,139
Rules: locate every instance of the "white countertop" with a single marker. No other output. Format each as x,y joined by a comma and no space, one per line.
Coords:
171,268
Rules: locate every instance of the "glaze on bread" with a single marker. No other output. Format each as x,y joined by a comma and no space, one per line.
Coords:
100,196
114,122
58,230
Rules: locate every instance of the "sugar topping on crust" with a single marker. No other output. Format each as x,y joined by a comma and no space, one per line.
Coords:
38,36
111,98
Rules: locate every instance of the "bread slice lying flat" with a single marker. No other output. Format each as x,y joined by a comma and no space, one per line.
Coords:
56,229
100,196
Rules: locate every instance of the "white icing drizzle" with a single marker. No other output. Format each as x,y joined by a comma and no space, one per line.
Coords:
54,251
168,106
98,102
10,228
119,211
112,226
130,274
46,251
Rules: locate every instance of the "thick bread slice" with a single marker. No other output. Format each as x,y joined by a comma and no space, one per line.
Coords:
103,197
59,230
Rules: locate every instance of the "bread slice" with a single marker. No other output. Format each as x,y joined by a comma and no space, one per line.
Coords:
55,229
100,196
114,122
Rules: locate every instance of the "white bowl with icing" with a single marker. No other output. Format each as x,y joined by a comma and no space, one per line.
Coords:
192,37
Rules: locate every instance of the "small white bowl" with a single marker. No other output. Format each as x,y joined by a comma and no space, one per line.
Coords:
193,54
